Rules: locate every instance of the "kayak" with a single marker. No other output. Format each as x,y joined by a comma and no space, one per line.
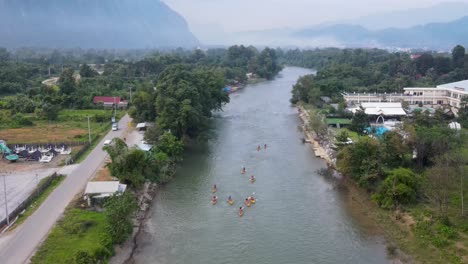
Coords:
247,204
252,180
241,213
214,202
230,202
252,201
213,190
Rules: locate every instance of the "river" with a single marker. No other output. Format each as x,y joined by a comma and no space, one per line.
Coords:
299,216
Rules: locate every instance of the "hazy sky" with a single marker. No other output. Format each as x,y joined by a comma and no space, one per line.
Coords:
241,15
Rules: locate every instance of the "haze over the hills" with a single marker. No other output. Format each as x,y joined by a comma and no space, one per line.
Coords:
266,22
92,24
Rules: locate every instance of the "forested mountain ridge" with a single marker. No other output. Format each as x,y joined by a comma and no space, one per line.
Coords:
92,24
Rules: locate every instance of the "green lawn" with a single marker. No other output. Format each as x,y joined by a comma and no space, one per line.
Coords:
341,121
80,233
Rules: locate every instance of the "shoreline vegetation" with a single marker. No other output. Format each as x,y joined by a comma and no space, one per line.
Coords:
411,181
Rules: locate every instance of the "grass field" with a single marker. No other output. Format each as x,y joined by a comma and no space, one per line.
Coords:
71,126
79,237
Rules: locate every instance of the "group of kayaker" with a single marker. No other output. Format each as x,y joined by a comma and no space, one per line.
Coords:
249,200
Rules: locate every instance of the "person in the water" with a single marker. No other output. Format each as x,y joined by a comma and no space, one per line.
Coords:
258,148
265,146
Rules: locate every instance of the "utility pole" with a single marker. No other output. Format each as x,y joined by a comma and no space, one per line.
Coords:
89,130
130,94
6,201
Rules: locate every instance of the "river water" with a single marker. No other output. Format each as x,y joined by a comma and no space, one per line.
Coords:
299,216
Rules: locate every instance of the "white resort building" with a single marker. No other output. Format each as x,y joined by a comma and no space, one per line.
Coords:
449,94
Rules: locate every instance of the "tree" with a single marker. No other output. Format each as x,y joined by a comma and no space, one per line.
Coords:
317,124
66,82
441,181
300,91
128,165
4,55
362,162
119,210
87,72
424,63
48,111
186,97
170,145
458,56
400,187
360,122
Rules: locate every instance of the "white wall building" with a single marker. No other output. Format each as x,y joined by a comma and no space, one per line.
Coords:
444,94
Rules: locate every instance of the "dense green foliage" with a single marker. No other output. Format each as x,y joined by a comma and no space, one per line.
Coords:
119,211
127,74
373,70
398,188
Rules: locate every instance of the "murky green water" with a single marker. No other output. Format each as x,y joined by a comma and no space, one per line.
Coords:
299,217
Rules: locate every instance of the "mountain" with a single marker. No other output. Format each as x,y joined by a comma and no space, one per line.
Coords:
440,13
433,35
92,24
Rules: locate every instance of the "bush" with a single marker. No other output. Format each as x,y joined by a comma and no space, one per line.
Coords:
398,188
119,210
20,120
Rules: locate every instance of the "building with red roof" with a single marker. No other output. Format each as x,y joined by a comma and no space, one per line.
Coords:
110,101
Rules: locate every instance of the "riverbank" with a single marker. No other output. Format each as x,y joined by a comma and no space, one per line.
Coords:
358,202
411,233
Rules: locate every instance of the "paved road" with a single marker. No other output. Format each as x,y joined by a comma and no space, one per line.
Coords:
19,246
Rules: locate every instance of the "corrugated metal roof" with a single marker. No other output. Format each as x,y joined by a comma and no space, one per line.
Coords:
104,187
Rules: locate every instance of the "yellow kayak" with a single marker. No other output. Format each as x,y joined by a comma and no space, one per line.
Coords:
214,202
247,204
230,202
241,213
252,201
252,180
213,190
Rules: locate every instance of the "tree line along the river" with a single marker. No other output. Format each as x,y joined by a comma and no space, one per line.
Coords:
418,169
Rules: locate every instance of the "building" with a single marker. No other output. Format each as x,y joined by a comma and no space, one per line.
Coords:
384,109
144,126
110,101
103,189
444,94
449,94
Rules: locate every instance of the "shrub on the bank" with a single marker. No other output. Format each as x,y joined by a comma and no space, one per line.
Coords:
119,212
399,187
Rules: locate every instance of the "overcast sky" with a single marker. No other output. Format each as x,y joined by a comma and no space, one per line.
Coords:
207,17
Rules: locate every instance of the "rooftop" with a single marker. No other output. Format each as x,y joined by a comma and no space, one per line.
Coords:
108,99
461,86
104,187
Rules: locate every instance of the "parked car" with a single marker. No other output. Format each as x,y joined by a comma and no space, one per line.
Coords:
115,126
107,142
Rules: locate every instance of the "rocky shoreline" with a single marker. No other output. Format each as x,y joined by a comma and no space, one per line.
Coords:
124,253
358,201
